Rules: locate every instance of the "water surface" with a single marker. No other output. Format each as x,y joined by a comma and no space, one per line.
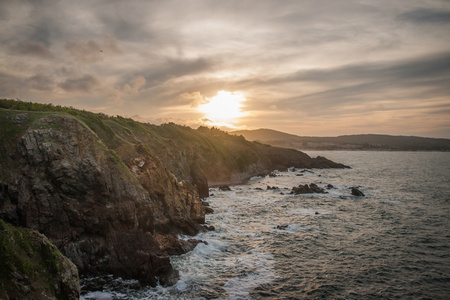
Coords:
269,244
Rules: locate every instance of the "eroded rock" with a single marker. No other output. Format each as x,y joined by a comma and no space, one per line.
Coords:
308,189
103,214
33,268
356,192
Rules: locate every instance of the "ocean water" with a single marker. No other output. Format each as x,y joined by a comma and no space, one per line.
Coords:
394,243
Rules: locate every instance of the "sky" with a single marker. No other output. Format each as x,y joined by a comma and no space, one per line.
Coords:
311,68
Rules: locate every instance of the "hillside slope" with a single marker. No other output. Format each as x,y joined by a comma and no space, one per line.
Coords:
346,142
113,194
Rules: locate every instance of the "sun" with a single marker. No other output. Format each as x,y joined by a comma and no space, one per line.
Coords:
225,107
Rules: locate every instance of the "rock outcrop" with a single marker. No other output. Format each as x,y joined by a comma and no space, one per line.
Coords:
101,213
33,268
308,189
356,192
113,194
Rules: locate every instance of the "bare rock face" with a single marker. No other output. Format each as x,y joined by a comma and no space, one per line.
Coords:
102,211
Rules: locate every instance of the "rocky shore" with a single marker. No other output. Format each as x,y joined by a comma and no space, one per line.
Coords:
113,194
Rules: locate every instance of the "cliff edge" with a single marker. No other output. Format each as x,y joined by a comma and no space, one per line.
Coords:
112,193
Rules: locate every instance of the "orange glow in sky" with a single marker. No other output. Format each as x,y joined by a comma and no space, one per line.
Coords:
225,107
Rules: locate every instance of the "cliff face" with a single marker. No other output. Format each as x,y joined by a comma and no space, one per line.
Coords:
104,215
32,268
112,194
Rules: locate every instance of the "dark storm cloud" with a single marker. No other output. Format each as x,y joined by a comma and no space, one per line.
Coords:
93,50
10,85
421,68
31,48
41,22
41,82
81,84
173,68
426,15
125,27
425,77
46,31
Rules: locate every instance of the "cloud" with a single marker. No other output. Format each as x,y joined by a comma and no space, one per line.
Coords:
91,50
41,82
426,15
195,98
85,83
365,90
167,70
10,85
135,84
423,68
31,48
325,59
180,67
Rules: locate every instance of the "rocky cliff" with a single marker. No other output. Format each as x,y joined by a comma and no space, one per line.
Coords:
32,268
111,193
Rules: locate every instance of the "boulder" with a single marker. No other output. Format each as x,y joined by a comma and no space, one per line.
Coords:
209,227
356,192
282,227
308,189
225,188
208,210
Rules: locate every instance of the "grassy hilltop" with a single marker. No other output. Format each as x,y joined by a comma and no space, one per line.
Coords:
221,157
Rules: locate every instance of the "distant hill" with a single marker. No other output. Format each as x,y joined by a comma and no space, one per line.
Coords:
346,142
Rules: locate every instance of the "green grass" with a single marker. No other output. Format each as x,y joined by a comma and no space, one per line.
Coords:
207,147
30,254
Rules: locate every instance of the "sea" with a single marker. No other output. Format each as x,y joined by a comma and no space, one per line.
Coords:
392,243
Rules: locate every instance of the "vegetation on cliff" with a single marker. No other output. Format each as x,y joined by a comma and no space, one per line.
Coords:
33,268
222,158
112,193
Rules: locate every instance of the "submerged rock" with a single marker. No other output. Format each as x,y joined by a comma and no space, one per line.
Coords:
272,188
282,227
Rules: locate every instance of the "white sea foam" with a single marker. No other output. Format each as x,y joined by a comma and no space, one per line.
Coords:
276,246
253,269
103,296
